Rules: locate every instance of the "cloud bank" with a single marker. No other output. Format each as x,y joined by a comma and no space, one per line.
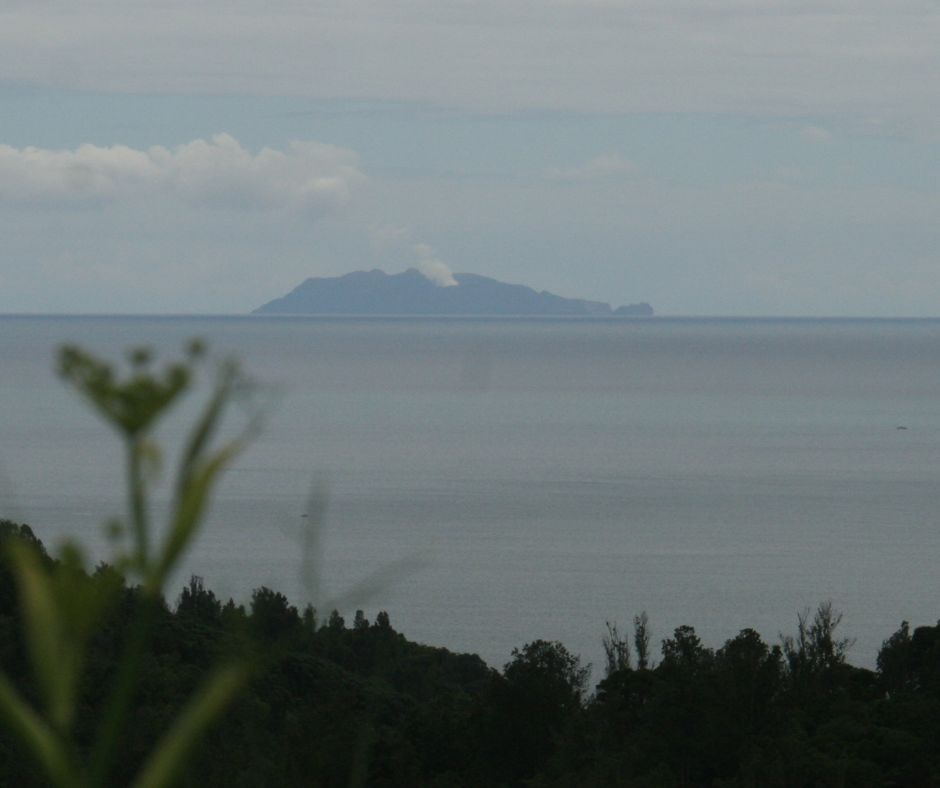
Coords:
869,57
306,176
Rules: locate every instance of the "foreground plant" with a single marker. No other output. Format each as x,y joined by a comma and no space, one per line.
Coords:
62,607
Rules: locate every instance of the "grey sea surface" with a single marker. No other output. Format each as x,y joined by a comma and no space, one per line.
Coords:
498,481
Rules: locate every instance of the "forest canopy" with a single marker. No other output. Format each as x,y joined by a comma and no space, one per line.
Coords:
338,703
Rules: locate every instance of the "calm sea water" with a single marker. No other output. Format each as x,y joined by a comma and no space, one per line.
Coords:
493,482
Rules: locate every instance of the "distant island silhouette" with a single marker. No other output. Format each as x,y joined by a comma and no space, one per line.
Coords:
412,293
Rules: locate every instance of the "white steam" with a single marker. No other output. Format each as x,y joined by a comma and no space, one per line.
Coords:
433,268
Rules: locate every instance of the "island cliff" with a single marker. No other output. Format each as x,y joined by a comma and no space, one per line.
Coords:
411,293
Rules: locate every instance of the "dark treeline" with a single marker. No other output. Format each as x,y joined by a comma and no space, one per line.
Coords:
337,703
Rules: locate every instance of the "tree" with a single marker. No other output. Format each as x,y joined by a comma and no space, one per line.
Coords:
198,602
336,623
641,640
272,615
749,679
309,618
685,650
538,697
549,668
815,648
382,621
910,661
894,660
616,650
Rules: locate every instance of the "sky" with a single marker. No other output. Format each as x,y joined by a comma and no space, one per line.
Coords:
711,157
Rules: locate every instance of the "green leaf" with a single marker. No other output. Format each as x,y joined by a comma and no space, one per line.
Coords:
190,505
132,406
35,734
205,427
54,662
202,710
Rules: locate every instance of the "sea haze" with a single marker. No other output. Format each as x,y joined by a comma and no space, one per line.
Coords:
512,480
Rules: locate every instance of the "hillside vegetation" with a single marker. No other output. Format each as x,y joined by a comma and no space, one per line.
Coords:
336,703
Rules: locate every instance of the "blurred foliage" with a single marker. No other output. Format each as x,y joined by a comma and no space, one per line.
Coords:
62,608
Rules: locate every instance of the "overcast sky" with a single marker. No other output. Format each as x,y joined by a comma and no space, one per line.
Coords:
708,156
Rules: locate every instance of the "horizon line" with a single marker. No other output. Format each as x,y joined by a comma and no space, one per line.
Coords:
571,318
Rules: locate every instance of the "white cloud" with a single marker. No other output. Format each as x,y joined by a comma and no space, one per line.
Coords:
433,268
610,165
307,176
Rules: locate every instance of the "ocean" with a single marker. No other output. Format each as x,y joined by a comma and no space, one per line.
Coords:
491,482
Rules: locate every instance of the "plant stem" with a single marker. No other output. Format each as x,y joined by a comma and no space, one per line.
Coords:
122,693
138,504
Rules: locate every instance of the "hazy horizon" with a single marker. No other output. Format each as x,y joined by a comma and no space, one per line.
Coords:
393,317
729,158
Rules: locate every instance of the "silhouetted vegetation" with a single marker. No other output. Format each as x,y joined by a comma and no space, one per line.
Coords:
332,704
